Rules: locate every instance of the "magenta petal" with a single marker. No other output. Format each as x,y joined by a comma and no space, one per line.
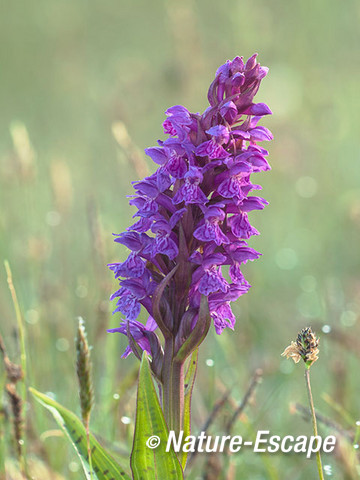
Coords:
261,134
157,154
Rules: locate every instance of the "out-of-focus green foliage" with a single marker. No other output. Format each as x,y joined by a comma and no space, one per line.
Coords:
83,89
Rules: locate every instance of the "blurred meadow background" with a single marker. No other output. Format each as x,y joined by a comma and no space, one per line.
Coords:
84,87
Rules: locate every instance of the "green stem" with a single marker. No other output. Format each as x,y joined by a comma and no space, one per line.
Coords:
167,381
308,387
178,395
173,389
87,428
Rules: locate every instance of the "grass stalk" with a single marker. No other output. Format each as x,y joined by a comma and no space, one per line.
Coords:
313,416
19,405
87,428
20,325
84,374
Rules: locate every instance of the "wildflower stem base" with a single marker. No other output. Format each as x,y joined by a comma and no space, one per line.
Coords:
173,391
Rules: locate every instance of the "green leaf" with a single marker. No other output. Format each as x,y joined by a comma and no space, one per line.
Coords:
104,466
188,389
147,463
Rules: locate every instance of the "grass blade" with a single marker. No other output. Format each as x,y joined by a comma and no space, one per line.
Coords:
188,387
104,466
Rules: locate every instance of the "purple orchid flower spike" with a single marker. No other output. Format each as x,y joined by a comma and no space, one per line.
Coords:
192,225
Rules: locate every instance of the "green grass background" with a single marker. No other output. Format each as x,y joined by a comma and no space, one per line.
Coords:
69,71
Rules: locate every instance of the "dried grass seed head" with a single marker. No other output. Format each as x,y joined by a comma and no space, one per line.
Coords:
305,347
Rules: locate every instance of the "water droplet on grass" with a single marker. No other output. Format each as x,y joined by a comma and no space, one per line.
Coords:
328,470
125,420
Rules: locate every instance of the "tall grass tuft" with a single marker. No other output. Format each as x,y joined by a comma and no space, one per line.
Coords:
20,324
14,374
84,374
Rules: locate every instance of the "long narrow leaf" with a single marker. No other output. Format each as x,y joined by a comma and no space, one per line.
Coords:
150,428
104,466
189,385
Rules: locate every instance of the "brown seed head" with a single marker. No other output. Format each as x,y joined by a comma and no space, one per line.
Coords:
14,372
16,406
305,347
